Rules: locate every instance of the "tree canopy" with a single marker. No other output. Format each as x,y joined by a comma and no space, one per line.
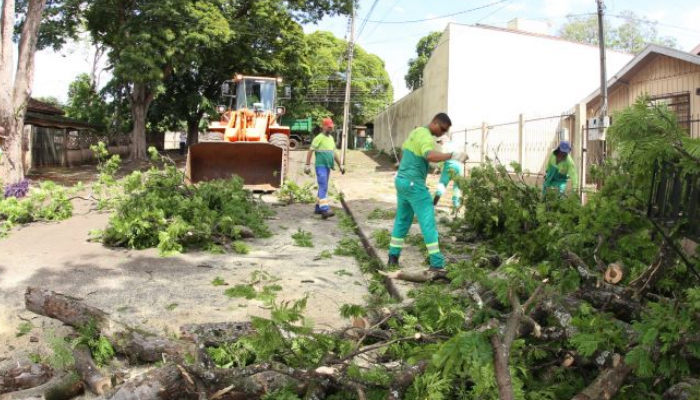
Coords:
324,95
424,49
632,35
84,102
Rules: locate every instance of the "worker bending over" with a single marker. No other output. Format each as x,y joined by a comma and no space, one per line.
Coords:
413,197
323,147
450,169
560,167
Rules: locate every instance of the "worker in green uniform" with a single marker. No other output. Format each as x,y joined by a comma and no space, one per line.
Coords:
413,196
560,168
450,169
323,147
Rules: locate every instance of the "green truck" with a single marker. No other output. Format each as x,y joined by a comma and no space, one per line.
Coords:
301,131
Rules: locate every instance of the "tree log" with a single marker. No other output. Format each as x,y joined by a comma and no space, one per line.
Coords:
401,382
24,377
683,390
615,273
134,343
166,382
88,371
607,384
62,387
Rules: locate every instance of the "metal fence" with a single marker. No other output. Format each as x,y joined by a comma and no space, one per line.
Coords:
525,141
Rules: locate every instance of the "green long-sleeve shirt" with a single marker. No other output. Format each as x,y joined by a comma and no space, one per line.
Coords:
558,173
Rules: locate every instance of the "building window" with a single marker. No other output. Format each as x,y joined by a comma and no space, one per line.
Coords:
679,103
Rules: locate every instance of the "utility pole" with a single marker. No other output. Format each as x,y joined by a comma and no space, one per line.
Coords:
603,121
348,89
603,72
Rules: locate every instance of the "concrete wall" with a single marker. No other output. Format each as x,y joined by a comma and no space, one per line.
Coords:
392,126
496,74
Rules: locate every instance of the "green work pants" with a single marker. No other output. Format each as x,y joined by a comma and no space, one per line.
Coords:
413,198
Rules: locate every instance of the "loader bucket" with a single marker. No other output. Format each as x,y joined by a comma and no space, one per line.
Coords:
260,165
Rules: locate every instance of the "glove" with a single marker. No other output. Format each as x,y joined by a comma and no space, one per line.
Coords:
461,157
436,200
307,169
342,171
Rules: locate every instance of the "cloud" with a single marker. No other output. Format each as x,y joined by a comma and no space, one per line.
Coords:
399,10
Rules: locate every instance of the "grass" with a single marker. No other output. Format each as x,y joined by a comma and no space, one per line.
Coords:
240,248
171,306
218,281
342,272
379,213
325,255
303,238
346,223
24,328
382,238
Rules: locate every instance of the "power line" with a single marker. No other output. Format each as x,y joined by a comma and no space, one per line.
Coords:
364,23
386,14
441,16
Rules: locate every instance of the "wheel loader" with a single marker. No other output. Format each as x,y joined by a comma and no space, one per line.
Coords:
247,140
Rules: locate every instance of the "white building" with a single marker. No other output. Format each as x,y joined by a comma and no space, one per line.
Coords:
483,74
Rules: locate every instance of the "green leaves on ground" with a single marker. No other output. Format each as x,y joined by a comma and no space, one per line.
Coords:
303,238
291,192
157,209
45,203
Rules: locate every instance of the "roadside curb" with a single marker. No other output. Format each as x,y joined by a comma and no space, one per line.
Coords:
371,250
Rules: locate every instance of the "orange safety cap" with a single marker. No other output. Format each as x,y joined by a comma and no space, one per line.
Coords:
327,123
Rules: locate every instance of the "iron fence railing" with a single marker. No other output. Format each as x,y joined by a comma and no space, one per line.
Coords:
674,198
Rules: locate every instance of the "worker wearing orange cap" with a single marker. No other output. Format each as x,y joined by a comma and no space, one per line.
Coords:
323,147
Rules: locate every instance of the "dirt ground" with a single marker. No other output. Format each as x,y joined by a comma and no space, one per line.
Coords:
160,294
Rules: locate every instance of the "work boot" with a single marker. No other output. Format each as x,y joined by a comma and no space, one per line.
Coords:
327,214
438,272
393,261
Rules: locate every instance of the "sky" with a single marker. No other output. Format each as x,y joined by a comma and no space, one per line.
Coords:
390,34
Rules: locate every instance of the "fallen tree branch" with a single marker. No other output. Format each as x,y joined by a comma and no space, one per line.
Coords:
24,377
607,384
63,387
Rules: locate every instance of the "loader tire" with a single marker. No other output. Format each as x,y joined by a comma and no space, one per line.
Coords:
282,141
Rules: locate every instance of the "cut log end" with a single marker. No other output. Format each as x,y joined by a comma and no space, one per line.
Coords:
614,273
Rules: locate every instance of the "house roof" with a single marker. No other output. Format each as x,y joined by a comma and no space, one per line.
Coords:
696,50
41,107
57,121
649,54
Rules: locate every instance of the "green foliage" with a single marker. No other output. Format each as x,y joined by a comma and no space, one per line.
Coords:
352,310
261,287
45,202
240,247
171,306
100,348
424,49
325,255
351,247
218,281
85,103
157,209
346,223
382,238
24,328
61,356
596,332
380,213
632,35
303,238
291,192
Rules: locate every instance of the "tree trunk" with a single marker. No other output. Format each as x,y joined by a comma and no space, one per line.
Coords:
14,95
607,384
161,383
192,131
63,387
24,377
140,99
135,344
93,378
